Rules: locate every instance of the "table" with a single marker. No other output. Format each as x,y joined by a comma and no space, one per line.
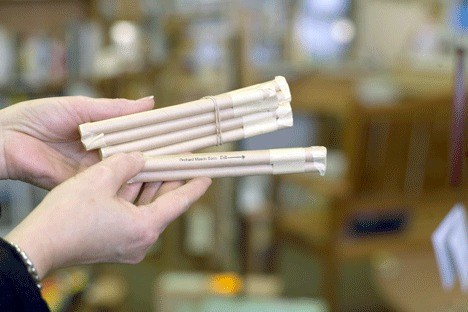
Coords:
411,282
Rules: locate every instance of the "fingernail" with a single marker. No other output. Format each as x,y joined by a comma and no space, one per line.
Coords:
151,97
138,156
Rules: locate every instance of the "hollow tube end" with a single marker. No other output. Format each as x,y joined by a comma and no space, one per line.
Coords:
283,109
92,142
82,129
318,155
284,88
322,169
286,120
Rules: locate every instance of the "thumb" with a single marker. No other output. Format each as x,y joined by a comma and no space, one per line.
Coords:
113,172
90,109
170,205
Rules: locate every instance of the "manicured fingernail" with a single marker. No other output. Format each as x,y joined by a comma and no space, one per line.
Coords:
151,97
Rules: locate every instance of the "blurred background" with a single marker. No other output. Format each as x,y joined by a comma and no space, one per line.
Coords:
370,80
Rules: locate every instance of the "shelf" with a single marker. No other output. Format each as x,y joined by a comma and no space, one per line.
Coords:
311,230
395,274
320,94
329,187
424,85
335,93
54,87
416,237
42,17
25,2
150,71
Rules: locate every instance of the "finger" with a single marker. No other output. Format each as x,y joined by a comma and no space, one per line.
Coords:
148,193
129,192
113,172
168,186
90,109
61,166
90,158
172,204
25,153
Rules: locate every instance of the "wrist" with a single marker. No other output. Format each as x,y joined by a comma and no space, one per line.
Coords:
34,249
28,264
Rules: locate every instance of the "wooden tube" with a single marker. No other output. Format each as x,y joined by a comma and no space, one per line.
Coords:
219,172
188,134
212,140
235,158
205,105
103,140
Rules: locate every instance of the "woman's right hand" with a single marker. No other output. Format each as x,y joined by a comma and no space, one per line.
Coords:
91,218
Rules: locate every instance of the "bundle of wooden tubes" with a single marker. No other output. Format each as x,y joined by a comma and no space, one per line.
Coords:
210,121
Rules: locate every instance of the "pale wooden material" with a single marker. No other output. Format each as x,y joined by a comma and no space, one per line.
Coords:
133,134
213,140
410,282
170,138
233,164
276,90
216,172
237,158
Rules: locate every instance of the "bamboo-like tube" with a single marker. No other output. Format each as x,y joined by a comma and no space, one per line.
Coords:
277,88
235,158
197,132
137,133
279,83
212,140
222,172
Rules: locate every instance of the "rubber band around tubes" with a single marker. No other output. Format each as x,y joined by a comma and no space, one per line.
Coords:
219,133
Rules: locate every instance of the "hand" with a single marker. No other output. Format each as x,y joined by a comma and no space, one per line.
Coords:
90,218
40,138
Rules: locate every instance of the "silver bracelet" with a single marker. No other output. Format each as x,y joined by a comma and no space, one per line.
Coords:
29,265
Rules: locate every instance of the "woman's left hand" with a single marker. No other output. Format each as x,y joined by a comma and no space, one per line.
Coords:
40,142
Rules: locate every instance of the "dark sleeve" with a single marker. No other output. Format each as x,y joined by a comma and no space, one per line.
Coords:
18,291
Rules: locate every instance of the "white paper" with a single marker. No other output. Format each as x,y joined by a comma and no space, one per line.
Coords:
458,245
450,241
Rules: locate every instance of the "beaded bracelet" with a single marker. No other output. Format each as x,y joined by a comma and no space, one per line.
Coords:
28,263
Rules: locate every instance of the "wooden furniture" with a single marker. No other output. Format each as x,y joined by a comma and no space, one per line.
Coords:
397,156
410,282
31,16
59,19
42,19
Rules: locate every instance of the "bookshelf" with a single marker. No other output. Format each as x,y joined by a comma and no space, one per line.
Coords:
34,47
